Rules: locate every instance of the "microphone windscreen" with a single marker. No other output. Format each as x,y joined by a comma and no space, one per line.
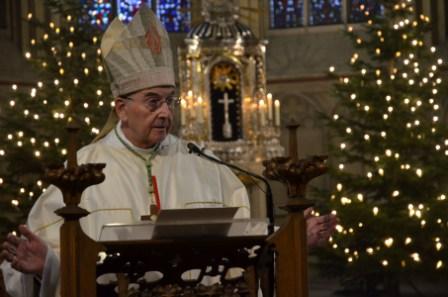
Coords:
193,148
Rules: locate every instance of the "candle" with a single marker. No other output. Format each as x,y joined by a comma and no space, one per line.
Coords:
199,110
262,111
183,112
277,112
269,96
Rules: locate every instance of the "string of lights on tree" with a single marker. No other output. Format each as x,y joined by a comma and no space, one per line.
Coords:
392,151
72,81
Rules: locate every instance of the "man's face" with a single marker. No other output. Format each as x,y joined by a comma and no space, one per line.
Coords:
145,115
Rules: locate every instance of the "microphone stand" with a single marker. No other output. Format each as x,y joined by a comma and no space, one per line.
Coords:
269,253
269,200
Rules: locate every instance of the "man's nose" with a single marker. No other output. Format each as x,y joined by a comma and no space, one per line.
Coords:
164,108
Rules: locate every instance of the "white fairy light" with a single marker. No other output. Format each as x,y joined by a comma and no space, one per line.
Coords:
419,172
415,257
388,242
360,197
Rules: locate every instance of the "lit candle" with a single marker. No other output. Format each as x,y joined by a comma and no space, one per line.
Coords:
262,111
269,96
183,111
199,110
277,112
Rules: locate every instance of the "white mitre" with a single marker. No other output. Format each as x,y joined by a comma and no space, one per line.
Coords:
138,55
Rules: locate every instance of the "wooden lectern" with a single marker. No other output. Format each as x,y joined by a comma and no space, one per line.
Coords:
122,268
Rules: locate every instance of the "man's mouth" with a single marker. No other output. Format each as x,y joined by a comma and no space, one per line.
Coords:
160,126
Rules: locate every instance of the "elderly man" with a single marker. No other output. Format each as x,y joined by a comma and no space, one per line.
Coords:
140,155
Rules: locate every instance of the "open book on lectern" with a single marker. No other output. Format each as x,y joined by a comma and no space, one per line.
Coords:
187,223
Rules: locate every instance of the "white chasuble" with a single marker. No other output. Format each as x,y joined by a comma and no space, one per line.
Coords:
183,181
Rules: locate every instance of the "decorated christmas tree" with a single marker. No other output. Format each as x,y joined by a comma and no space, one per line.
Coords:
72,81
390,156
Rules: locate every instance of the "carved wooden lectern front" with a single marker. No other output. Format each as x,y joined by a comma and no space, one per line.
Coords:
183,266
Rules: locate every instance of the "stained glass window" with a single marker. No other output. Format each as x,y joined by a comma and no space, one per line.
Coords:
175,14
357,9
286,13
325,12
101,12
127,9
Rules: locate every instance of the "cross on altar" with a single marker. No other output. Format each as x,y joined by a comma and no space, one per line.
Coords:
226,127
226,101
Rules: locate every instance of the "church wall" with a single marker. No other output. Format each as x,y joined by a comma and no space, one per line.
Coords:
297,65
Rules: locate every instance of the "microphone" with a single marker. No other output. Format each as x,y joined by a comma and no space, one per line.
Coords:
193,148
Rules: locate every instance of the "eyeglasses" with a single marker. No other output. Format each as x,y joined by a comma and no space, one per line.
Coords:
152,103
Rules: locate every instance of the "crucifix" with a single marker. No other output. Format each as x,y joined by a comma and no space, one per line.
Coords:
226,127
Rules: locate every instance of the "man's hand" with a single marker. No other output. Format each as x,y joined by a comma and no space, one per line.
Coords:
26,254
319,228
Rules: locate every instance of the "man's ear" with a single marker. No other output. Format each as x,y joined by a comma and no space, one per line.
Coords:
120,109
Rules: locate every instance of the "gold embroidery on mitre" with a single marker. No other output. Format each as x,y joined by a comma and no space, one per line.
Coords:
153,40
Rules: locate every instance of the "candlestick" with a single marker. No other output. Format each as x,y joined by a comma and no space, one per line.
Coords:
277,113
262,111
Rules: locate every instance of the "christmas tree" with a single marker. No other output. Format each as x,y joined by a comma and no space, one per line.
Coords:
390,156
72,82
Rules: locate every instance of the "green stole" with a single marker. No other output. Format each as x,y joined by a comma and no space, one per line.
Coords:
148,164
